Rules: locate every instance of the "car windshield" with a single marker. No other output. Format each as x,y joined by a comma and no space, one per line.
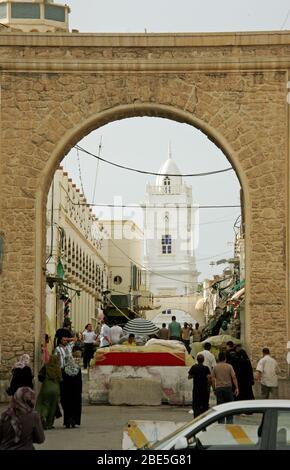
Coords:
180,429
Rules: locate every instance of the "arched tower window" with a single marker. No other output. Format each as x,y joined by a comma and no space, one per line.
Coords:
166,244
166,183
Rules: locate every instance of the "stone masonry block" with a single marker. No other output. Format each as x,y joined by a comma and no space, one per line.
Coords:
130,391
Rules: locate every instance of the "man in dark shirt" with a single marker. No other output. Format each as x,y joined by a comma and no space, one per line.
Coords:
64,332
201,386
231,355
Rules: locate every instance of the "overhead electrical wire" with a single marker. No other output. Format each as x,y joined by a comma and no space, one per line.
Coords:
80,173
175,264
117,308
286,19
158,274
97,170
165,206
136,170
132,206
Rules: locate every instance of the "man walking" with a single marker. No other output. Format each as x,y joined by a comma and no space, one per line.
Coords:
185,336
201,383
224,376
209,359
116,333
196,333
89,337
163,332
267,370
174,329
105,334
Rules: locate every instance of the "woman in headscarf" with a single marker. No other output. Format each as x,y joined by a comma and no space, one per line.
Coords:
71,393
71,385
21,375
20,425
244,373
48,398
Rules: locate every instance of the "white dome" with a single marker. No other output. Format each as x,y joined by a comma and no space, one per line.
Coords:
169,168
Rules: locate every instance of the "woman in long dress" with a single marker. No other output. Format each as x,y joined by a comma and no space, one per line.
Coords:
48,398
71,385
71,394
21,375
244,373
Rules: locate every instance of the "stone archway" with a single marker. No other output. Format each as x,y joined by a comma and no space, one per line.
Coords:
56,89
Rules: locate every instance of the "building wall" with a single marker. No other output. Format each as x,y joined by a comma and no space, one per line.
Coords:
77,241
55,89
125,242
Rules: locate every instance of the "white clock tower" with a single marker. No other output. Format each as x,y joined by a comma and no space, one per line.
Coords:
170,223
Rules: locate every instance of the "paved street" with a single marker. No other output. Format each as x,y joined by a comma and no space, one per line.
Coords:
102,426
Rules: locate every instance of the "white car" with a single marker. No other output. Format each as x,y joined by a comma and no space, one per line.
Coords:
243,425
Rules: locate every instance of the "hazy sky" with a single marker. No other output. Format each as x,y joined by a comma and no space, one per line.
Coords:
143,142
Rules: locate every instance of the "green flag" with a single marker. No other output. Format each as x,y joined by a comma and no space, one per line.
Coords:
60,270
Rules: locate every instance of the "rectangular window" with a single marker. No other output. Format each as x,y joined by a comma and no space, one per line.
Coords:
54,13
134,276
166,243
231,431
25,10
3,10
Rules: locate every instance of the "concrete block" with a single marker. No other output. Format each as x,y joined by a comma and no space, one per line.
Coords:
134,391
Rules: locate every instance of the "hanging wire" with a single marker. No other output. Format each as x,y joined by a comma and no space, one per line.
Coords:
286,19
117,308
97,170
80,172
166,206
151,172
161,275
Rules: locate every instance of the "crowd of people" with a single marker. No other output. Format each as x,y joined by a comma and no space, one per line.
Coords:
27,416
231,376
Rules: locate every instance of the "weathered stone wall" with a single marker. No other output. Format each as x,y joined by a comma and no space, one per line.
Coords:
57,88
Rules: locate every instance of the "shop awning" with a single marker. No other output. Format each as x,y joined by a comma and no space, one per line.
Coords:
238,294
238,286
199,305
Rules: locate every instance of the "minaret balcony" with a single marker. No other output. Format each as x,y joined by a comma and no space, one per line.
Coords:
167,190
34,15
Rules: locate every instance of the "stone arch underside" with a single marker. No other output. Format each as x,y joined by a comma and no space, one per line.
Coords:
44,114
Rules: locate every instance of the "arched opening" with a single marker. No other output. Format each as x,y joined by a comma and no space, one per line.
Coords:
121,113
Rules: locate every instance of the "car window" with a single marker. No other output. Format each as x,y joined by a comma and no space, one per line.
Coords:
233,430
283,430
182,430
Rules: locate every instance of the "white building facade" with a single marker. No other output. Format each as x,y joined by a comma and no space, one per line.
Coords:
127,279
170,223
76,257
171,235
